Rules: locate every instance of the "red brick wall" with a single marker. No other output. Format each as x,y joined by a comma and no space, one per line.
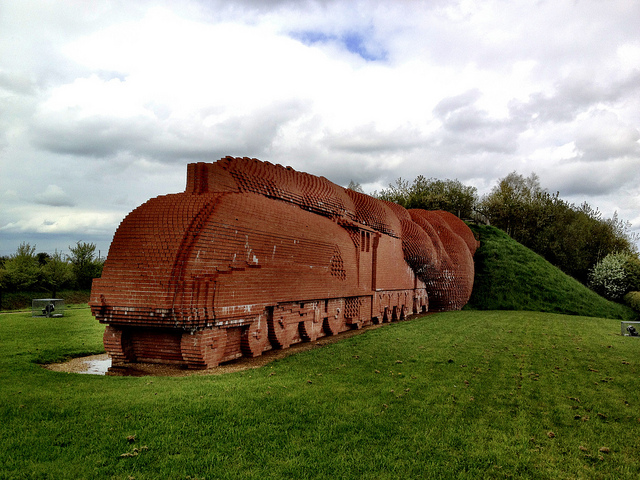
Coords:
247,236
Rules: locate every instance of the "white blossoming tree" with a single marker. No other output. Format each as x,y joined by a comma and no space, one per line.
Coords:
609,276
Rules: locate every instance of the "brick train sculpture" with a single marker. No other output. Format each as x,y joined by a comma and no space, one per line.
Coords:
255,256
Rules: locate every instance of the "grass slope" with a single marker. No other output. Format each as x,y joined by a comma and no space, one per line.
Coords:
509,276
468,394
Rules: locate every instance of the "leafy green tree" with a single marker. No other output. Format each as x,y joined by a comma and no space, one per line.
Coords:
21,270
433,194
397,193
584,238
57,273
449,195
511,204
42,258
84,265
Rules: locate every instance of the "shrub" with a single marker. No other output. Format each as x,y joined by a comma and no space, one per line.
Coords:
632,299
632,271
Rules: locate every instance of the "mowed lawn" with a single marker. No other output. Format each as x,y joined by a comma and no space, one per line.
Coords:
454,395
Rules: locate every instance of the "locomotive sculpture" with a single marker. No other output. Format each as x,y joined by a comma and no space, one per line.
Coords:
255,256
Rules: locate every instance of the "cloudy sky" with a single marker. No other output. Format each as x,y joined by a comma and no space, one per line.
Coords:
104,103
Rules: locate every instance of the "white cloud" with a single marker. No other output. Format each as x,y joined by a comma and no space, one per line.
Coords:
601,136
54,196
69,221
103,104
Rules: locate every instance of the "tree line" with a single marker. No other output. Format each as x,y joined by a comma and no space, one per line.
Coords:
27,270
575,238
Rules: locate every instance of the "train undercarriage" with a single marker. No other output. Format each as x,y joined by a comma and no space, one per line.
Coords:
276,327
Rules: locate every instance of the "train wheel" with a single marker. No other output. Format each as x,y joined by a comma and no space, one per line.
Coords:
215,345
332,324
255,339
115,344
279,333
310,330
204,348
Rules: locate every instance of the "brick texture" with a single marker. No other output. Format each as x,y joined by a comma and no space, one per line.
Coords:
254,256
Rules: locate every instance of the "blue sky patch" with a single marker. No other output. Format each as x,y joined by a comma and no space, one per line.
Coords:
354,42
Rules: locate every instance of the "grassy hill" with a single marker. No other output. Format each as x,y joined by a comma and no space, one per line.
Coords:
509,276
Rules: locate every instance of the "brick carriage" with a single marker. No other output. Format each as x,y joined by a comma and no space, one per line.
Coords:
255,256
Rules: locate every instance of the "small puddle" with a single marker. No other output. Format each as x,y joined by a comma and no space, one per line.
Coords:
92,365
96,367
102,365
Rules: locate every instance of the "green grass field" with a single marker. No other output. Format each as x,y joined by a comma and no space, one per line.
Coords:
471,394
499,390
